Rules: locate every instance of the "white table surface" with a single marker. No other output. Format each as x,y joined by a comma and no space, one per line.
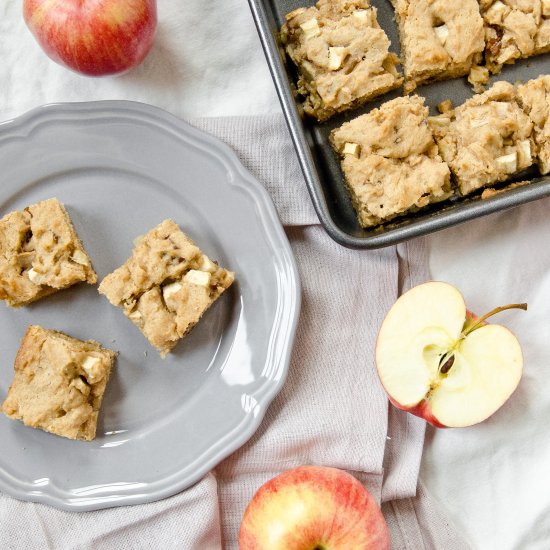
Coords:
491,479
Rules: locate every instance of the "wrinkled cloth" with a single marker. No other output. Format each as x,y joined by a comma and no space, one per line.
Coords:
207,64
332,409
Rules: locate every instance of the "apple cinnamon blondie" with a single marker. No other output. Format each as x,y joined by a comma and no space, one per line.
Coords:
534,97
515,29
440,39
59,383
166,286
390,161
40,253
342,55
485,140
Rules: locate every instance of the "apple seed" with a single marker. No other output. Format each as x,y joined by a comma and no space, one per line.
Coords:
446,367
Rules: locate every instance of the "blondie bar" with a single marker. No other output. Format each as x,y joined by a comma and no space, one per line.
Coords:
59,383
40,253
515,29
341,53
534,97
390,161
166,285
487,139
439,38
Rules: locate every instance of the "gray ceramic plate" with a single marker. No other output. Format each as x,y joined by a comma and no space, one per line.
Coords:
121,168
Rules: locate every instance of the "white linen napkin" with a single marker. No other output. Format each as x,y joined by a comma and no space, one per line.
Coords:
493,477
206,61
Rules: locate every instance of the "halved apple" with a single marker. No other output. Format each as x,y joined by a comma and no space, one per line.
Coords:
440,362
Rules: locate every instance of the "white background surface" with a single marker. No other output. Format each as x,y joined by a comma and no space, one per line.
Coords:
206,61
492,479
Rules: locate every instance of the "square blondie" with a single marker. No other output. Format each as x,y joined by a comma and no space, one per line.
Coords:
515,29
167,284
487,139
341,53
440,39
59,383
534,97
40,253
390,161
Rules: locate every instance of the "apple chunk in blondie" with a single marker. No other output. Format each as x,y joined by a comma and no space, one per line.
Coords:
390,161
341,53
59,383
167,284
40,253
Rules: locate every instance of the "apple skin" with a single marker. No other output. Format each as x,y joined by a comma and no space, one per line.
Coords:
313,508
93,37
422,409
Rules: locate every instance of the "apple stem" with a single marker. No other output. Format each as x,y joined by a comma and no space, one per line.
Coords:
480,320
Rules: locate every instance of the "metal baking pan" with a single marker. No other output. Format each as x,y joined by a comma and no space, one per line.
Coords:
321,167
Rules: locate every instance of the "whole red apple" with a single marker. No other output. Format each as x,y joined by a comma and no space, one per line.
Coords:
313,508
439,361
93,37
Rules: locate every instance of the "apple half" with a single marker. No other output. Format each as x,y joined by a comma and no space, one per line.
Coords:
439,361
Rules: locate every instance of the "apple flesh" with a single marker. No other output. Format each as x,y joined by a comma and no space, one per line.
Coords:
440,362
93,37
313,508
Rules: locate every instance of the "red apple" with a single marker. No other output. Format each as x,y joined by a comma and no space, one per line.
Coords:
313,508
441,362
93,37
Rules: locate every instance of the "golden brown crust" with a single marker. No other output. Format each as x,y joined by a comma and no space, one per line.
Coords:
440,39
514,29
59,383
342,55
390,161
40,253
490,192
534,97
166,286
487,139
